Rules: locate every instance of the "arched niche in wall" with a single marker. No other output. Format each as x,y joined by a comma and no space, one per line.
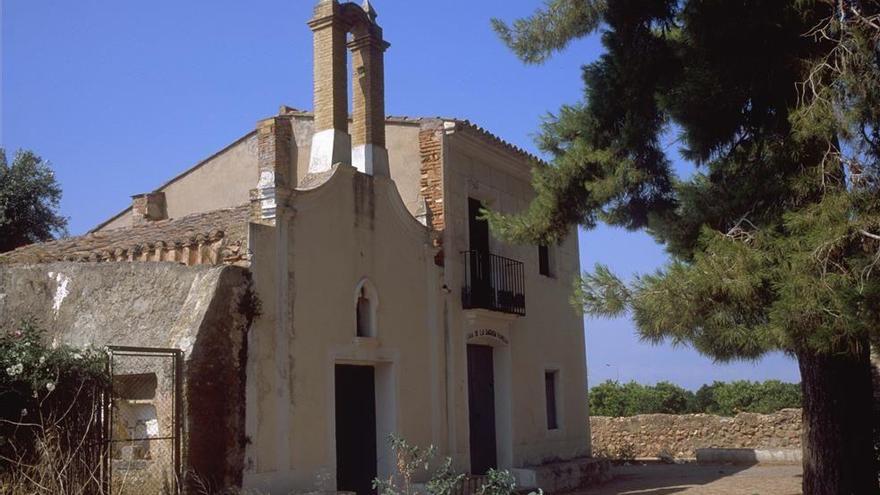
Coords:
366,307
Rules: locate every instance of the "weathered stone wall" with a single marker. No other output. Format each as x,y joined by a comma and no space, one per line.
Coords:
204,311
653,435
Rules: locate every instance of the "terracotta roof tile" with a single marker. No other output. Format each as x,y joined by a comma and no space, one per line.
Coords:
213,237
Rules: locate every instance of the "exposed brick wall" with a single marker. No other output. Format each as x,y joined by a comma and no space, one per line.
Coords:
431,179
274,142
331,77
649,435
274,137
368,112
148,207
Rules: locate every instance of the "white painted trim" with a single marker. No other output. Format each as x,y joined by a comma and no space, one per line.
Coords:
503,363
329,147
282,342
386,364
559,432
503,376
371,159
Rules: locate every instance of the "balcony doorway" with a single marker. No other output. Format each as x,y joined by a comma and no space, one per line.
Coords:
479,270
478,229
491,282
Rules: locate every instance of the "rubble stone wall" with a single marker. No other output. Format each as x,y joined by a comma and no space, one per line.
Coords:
661,435
203,311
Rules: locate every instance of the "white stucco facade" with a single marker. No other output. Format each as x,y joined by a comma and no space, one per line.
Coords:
354,228
344,229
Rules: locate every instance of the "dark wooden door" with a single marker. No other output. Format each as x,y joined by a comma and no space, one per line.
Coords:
355,429
481,404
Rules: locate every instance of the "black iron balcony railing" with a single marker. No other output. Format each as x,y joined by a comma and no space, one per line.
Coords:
493,282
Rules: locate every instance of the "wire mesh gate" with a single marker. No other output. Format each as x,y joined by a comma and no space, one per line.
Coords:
144,420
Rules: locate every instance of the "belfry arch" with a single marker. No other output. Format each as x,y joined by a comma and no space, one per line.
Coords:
362,144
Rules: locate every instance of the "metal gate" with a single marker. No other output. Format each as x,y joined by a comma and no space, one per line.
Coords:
144,420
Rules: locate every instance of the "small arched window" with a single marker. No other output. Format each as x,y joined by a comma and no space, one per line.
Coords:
366,303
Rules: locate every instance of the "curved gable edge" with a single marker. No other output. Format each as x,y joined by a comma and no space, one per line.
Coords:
309,197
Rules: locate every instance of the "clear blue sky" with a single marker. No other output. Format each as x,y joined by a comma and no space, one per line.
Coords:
121,96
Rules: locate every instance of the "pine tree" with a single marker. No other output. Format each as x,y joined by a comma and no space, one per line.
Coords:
774,242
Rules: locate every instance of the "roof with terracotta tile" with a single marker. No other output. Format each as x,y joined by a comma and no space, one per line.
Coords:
461,124
204,238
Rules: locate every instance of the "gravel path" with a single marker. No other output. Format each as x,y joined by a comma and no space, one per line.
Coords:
702,479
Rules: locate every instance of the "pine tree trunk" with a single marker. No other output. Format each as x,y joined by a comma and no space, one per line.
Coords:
838,424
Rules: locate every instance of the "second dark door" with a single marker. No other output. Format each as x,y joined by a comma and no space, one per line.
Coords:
481,404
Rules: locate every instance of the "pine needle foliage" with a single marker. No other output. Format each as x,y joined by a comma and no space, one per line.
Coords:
774,242
551,28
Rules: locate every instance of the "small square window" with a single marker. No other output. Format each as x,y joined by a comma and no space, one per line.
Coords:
550,386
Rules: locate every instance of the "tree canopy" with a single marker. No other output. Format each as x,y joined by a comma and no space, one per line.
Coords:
775,240
29,197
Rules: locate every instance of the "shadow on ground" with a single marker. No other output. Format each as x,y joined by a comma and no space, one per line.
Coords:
701,479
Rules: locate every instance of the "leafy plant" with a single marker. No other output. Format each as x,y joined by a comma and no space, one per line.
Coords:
498,482
411,460
50,403
443,480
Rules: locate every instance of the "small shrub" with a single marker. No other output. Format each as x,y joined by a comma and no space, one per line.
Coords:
411,460
443,480
50,403
498,483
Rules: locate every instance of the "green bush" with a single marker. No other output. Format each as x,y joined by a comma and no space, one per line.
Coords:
744,396
613,398
50,402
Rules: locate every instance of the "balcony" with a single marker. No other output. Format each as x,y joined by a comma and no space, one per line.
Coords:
493,282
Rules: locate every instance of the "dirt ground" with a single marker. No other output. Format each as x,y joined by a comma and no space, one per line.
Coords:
702,479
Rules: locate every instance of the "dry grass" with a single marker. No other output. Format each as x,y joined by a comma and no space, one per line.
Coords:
60,461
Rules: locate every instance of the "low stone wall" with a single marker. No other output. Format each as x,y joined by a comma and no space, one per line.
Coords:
679,436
